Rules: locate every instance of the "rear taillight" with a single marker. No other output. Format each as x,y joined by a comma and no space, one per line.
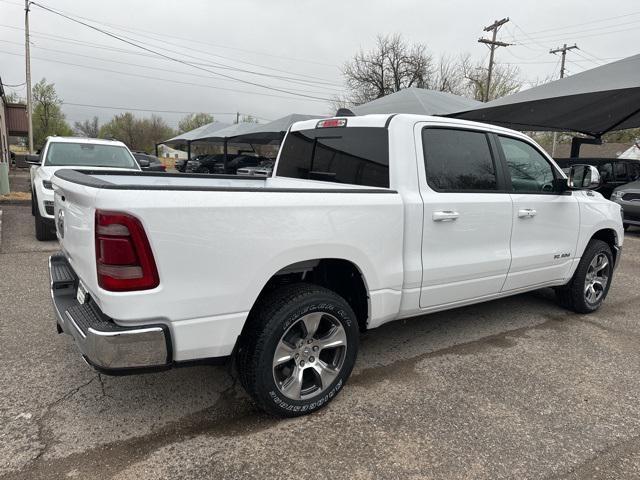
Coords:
124,259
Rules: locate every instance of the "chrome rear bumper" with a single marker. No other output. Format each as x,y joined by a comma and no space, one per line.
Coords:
106,346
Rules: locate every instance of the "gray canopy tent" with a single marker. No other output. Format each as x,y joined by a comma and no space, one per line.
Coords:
239,133
419,101
592,102
254,133
187,137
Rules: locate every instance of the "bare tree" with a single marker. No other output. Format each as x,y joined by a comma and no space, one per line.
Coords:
390,66
88,128
505,79
449,76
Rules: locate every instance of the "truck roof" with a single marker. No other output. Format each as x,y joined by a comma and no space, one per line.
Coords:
383,120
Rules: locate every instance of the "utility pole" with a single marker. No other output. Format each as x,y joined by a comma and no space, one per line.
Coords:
493,44
237,117
27,54
564,49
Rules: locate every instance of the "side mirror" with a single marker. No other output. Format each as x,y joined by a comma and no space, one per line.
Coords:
143,163
33,159
584,177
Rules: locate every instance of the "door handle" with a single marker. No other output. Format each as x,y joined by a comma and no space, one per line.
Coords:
445,216
527,213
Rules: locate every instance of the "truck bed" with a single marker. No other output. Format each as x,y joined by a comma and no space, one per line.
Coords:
202,182
217,240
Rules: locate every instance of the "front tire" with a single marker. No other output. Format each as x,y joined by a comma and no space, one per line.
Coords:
591,281
44,230
298,349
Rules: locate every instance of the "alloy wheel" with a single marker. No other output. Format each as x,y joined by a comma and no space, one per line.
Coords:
597,278
309,356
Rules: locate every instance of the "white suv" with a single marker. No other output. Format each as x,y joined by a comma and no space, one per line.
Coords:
70,152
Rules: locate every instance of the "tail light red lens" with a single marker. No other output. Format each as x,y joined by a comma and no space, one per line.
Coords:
124,259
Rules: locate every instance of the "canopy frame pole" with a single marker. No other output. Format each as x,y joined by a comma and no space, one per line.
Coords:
157,151
577,142
226,151
188,150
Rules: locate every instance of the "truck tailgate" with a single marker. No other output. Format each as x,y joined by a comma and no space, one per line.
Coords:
74,210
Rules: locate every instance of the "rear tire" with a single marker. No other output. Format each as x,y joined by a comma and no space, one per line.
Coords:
625,226
44,229
297,349
591,281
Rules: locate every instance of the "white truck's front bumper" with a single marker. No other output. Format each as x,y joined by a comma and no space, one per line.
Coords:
108,347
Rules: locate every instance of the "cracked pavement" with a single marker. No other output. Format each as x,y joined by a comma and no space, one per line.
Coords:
515,388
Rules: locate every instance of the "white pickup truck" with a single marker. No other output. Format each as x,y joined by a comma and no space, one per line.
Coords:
70,152
367,220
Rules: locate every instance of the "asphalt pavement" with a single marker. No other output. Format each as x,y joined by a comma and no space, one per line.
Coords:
516,388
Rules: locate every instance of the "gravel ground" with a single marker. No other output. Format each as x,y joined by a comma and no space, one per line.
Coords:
516,388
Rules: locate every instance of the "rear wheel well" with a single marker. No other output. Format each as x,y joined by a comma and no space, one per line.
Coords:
608,236
340,276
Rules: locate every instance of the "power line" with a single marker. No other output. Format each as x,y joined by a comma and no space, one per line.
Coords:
549,62
158,78
163,35
585,58
13,86
585,23
160,54
133,64
588,36
137,109
310,81
528,36
581,31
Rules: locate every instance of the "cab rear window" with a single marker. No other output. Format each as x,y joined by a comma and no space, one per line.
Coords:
353,155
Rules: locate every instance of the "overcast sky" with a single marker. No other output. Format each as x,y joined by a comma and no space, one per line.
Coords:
303,41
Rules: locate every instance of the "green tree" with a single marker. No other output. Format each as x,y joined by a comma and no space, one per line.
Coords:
137,133
48,118
123,127
154,130
194,120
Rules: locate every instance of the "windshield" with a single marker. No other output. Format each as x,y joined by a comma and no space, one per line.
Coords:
88,155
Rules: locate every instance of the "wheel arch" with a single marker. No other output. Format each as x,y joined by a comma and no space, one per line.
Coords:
340,275
610,237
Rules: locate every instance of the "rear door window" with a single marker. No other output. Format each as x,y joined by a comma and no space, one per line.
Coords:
350,155
458,160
